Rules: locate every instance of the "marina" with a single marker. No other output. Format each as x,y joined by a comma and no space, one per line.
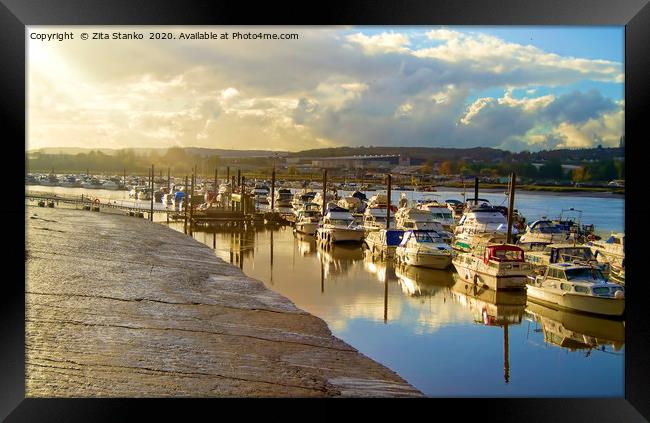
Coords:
384,298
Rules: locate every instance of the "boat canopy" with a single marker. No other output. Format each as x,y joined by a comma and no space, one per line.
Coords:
394,237
503,253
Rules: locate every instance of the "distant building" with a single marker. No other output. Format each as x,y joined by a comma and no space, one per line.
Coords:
367,161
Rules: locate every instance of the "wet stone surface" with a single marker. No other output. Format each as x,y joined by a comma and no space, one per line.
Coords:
122,307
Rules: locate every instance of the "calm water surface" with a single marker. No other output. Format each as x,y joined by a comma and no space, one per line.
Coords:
438,333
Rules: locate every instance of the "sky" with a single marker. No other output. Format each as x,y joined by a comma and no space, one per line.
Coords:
510,87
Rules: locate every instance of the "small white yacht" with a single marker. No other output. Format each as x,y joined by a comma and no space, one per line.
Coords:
543,232
338,226
383,242
261,193
577,287
479,219
563,253
414,218
283,198
611,252
440,213
307,218
488,260
374,219
108,184
424,248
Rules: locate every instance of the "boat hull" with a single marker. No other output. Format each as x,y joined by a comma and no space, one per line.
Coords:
495,282
430,261
307,227
340,235
583,303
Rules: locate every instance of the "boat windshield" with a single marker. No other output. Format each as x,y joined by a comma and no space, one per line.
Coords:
341,222
547,228
431,236
584,273
501,254
568,254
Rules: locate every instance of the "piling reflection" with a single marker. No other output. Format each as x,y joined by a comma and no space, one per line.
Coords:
492,308
374,305
576,331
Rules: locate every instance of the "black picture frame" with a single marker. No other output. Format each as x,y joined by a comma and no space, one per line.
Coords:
15,15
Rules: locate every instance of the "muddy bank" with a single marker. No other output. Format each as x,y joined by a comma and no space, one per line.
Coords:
121,307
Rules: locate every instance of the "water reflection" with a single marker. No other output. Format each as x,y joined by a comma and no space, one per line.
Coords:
575,331
419,281
402,316
492,308
338,259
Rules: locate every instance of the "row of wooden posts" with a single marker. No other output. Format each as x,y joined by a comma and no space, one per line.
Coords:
241,183
389,181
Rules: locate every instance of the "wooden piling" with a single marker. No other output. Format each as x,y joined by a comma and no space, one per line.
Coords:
511,204
241,195
324,190
216,188
273,189
476,190
185,199
152,196
388,193
192,183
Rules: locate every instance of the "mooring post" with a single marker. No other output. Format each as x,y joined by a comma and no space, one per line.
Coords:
192,183
152,194
185,205
388,192
476,190
511,204
241,195
214,191
273,189
324,190
227,174
238,177
169,179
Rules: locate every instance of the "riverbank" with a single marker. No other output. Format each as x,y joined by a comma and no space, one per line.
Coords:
568,192
121,307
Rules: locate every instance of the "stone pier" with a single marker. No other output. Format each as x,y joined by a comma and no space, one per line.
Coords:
117,306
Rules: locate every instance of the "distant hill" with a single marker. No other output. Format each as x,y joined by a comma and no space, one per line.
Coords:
203,152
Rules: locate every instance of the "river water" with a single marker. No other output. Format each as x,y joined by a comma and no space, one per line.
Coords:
441,335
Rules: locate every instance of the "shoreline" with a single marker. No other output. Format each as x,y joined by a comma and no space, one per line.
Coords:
122,307
594,194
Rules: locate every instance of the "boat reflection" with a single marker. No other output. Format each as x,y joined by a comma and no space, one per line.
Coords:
419,281
383,270
492,308
338,259
306,244
577,331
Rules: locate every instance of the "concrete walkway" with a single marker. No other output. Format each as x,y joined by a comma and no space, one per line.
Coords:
121,307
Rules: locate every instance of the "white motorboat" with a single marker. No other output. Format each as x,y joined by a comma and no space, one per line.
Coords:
383,242
563,253
489,261
261,193
424,248
414,218
544,232
374,219
480,219
577,287
338,226
110,185
307,218
611,252
302,197
283,198
440,213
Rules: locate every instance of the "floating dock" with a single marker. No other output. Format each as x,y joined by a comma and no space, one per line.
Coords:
124,307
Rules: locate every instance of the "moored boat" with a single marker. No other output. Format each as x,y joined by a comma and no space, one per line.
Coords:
577,287
425,248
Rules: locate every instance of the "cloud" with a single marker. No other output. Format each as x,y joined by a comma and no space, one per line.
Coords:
381,43
333,86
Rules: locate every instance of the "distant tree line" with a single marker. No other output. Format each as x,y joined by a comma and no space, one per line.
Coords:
600,170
